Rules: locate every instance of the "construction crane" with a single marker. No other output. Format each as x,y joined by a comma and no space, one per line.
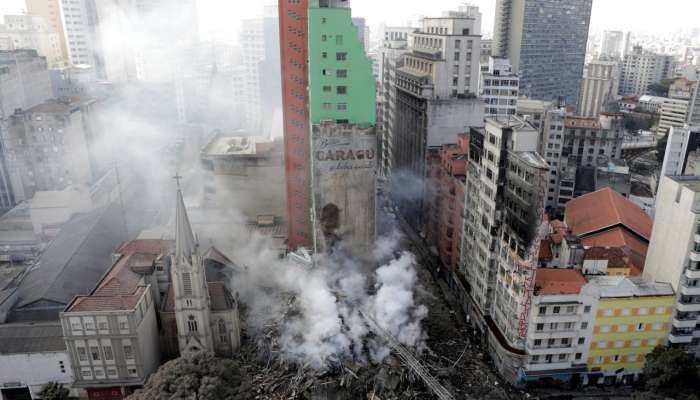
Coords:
408,359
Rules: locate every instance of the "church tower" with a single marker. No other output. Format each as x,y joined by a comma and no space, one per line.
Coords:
192,303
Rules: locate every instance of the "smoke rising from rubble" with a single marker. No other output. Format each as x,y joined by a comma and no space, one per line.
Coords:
324,323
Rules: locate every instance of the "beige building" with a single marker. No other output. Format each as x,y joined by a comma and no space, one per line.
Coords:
32,32
50,11
601,81
674,255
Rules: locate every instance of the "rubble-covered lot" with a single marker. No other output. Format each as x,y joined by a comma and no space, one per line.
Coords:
450,356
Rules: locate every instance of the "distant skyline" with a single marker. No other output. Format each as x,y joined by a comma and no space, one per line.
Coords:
627,15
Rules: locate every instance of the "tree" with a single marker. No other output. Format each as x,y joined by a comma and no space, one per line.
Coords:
669,371
660,88
196,376
54,391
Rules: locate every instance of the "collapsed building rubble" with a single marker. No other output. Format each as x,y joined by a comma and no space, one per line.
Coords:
451,366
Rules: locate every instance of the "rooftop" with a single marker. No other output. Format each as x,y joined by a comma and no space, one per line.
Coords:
122,287
690,182
621,286
55,107
582,122
31,338
552,281
606,209
225,145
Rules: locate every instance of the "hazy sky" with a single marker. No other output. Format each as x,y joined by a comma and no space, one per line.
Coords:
635,15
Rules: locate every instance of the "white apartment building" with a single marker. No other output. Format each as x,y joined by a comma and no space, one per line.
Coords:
32,32
672,112
560,325
641,68
600,84
674,255
499,88
500,203
681,145
611,45
448,49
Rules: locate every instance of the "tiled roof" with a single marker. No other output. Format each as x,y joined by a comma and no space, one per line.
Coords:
122,287
558,231
605,208
634,247
551,281
546,250
615,256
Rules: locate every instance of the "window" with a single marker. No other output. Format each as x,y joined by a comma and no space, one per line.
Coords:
636,342
631,357
75,324
587,309
458,43
89,324
548,358
538,342
625,311
568,325
598,360
584,325
324,55
640,327
341,89
324,38
112,372
570,309
535,358
581,340
562,357
341,56
342,106
539,327
123,325
608,312
327,106
618,344
578,356
128,352
660,309
187,283
327,88
339,39
616,358
457,56
656,326
82,354
622,328
95,353
643,311
605,328
602,344
565,341
102,326
341,73
191,324
543,310
556,310
108,352
550,342
554,326
132,371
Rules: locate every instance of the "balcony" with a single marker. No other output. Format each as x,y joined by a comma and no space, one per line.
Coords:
555,349
697,237
694,255
688,306
684,322
680,337
689,290
692,273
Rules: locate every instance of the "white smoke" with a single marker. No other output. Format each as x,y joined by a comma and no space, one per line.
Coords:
327,322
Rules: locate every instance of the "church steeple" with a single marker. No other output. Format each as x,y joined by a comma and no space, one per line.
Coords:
185,243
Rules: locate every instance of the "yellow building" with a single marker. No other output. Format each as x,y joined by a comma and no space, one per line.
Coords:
632,318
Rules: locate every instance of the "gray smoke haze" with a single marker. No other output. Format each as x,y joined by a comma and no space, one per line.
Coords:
324,322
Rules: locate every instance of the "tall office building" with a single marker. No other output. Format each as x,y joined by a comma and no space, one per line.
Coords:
50,11
394,46
681,157
261,70
674,256
601,81
330,174
436,88
546,42
611,45
640,68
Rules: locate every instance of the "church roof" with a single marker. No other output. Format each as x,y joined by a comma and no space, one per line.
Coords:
220,296
185,243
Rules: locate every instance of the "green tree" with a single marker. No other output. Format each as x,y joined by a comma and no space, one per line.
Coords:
196,376
660,88
671,371
54,391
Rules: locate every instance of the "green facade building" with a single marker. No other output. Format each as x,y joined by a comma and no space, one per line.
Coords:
341,83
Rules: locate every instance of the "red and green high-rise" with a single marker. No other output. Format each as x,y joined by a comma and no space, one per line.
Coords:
326,77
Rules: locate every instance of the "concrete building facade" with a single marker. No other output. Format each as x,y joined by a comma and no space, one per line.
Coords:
499,88
601,81
674,256
545,41
612,45
640,68
32,32
681,147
